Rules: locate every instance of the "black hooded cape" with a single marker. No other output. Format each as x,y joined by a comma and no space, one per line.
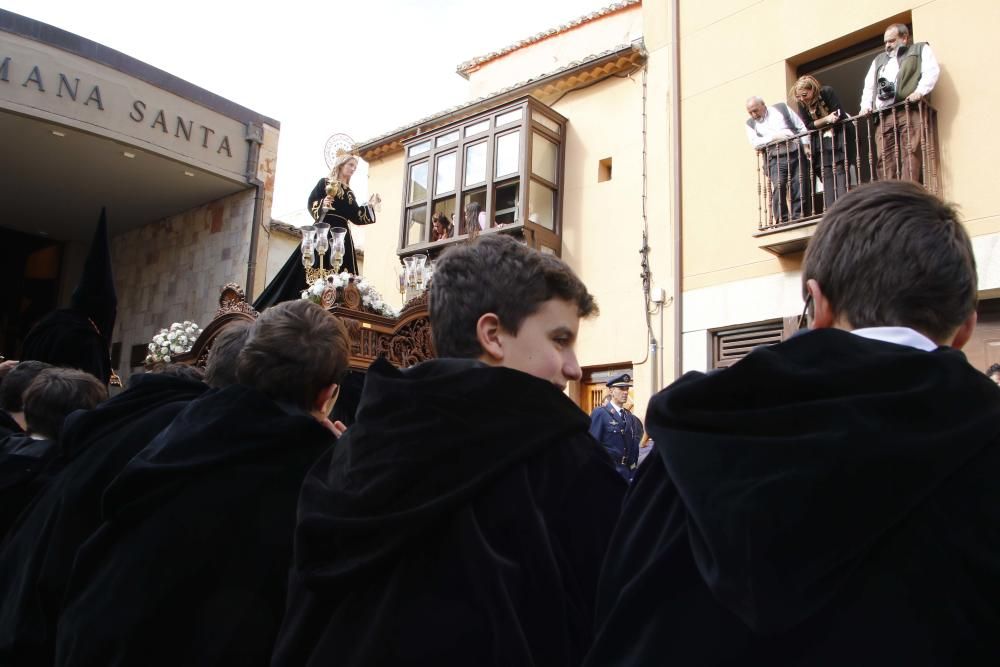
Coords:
831,500
190,565
8,424
23,464
462,520
35,561
80,336
69,339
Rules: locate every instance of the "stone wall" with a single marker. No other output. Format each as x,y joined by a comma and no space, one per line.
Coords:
172,270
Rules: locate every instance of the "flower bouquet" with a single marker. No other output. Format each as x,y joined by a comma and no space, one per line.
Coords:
328,292
169,343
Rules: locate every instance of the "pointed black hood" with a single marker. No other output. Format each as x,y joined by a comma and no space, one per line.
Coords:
80,336
95,296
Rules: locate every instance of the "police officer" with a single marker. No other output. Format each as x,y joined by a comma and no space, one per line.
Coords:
617,429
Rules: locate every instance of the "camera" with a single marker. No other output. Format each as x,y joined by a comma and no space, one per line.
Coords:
886,89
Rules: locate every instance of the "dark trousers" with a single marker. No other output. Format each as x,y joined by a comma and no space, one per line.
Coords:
899,144
786,177
834,178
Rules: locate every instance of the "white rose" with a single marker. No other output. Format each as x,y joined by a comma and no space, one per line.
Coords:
166,359
305,294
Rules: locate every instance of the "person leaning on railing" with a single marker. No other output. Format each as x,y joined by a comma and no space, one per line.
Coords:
831,134
775,129
905,72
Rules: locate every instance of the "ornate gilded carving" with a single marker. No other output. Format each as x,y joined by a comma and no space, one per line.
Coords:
408,346
352,297
232,299
329,298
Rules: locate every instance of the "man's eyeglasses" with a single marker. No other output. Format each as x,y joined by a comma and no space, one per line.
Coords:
804,318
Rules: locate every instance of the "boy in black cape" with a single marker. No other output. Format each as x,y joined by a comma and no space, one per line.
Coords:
831,500
36,559
27,461
463,518
190,564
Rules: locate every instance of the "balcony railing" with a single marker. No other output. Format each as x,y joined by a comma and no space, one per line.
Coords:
796,185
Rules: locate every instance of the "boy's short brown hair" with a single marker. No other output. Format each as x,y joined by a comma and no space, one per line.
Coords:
496,274
892,254
294,351
56,392
220,370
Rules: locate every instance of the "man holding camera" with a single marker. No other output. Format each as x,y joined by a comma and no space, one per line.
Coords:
905,72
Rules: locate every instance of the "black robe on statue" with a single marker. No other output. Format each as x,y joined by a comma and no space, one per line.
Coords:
290,280
831,500
345,209
35,561
190,565
462,520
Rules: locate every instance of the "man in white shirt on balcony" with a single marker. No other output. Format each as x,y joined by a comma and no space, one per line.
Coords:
905,72
775,128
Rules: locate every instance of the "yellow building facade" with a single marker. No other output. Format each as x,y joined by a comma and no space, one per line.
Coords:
659,202
737,279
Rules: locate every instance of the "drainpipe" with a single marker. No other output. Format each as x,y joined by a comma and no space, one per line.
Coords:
255,137
676,204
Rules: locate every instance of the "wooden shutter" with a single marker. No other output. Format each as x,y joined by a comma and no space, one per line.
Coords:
731,344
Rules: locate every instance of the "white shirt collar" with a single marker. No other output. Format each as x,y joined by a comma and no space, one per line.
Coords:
899,336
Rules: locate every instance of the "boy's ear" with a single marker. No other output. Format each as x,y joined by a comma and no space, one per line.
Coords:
964,333
326,398
488,335
823,315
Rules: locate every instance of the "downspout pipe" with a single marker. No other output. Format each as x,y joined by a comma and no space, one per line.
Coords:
677,207
255,137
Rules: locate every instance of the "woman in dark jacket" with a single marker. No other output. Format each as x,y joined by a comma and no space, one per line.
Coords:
822,113
334,200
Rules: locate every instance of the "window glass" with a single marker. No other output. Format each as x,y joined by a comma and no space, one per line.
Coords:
508,150
445,139
541,205
416,225
418,182
420,149
545,121
505,196
509,117
476,128
446,206
544,155
444,174
479,197
475,163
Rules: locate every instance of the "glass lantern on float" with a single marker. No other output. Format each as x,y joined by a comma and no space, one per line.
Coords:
416,274
316,240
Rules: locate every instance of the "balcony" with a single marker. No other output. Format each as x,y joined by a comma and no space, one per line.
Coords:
498,172
793,190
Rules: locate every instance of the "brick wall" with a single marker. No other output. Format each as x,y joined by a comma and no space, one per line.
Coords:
172,270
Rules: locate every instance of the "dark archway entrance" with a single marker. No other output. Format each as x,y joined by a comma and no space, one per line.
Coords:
29,273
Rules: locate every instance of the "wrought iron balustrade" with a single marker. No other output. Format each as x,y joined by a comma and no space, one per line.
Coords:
799,177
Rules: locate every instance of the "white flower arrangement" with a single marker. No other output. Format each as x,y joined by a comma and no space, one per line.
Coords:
169,343
371,300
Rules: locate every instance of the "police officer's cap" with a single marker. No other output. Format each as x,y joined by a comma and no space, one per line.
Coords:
623,380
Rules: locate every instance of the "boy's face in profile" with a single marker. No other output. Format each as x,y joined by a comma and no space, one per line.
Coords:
544,345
